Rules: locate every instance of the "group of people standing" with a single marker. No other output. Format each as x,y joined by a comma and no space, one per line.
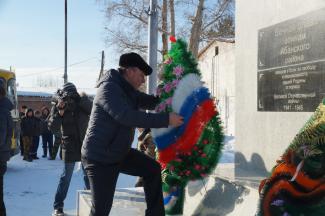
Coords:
33,126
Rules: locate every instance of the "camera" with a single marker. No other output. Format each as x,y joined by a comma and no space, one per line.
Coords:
65,100
61,96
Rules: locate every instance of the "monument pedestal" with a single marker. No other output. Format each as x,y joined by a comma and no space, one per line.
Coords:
127,201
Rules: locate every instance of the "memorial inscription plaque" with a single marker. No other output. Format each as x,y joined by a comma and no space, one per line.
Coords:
291,64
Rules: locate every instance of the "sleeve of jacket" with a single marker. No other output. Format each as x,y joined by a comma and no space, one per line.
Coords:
112,99
10,126
54,120
3,130
147,102
86,104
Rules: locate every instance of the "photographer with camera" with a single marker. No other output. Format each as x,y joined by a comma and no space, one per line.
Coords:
70,114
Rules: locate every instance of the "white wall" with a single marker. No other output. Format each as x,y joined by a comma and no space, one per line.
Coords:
218,73
262,134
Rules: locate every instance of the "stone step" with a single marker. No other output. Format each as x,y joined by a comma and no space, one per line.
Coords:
127,201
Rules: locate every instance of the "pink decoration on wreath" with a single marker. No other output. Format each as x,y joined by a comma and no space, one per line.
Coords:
168,61
178,71
161,107
168,87
175,83
169,101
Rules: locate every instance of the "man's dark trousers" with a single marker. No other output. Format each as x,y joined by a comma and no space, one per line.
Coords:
47,140
103,178
3,168
34,147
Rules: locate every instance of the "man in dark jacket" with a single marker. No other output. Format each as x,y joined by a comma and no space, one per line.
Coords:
37,133
71,115
107,151
28,128
47,135
6,126
21,115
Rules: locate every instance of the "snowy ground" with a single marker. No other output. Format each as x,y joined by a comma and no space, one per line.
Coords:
29,188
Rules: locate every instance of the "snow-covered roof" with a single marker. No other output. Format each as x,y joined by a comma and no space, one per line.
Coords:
33,94
225,40
48,92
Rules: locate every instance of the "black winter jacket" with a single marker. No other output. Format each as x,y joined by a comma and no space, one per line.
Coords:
29,125
6,126
114,116
73,126
44,125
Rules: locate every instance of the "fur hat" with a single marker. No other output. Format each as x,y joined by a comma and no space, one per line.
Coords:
135,60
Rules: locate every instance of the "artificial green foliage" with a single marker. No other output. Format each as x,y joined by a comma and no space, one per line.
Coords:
304,157
177,56
203,157
199,161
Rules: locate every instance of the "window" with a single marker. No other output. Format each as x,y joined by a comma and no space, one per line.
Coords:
11,90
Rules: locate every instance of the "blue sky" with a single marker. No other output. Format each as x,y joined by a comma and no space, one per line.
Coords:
32,40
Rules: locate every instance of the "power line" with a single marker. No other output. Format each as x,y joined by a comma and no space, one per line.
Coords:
58,68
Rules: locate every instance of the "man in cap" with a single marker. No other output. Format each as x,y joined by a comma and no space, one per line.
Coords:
70,114
6,125
106,149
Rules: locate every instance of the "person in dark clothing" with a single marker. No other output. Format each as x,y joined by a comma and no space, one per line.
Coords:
28,128
147,146
6,126
47,136
21,115
57,145
37,133
106,149
71,116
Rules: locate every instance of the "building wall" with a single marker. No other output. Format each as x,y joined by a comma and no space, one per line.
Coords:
261,137
34,102
218,73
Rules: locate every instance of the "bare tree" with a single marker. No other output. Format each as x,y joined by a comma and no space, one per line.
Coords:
196,29
127,22
164,35
172,17
46,81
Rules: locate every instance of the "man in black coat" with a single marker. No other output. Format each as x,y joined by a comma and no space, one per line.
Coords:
29,126
21,115
6,126
71,116
106,149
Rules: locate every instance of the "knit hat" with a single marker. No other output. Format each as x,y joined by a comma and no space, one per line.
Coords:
69,88
135,60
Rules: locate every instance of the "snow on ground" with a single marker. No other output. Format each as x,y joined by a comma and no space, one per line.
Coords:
29,187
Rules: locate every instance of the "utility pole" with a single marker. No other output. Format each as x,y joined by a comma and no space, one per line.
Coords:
152,46
65,76
102,66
